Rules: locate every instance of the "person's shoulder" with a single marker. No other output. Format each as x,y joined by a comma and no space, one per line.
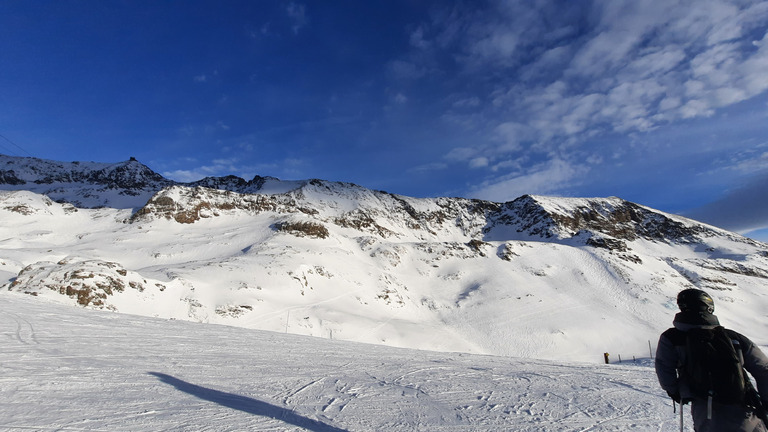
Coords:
676,336
734,335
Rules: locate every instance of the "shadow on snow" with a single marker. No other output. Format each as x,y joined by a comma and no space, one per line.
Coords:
246,404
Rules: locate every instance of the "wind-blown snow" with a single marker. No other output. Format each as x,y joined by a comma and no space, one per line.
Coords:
72,369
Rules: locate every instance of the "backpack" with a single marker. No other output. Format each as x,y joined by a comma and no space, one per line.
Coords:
713,369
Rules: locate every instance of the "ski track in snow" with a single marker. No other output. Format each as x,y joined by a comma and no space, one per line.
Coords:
64,368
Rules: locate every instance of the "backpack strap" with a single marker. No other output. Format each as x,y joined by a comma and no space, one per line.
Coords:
752,400
739,344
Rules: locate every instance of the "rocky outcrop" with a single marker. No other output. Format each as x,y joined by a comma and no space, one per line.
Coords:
612,217
90,282
189,205
232,183
9,177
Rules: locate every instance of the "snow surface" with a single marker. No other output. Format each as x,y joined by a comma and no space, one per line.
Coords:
434,291
72,369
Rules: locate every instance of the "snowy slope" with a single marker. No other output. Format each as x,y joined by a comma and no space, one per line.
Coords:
539,277
69,369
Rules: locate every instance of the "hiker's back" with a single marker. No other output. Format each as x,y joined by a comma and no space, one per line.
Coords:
713,366
699,361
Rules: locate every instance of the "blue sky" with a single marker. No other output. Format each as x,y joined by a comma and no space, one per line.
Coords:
659,102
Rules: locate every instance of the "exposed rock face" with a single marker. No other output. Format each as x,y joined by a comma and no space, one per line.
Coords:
90,282
188,205
9,177
304,229
613,217
232,183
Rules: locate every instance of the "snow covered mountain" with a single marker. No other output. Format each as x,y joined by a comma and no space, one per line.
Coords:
535,277
91,184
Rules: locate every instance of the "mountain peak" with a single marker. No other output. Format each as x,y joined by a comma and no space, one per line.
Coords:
126,184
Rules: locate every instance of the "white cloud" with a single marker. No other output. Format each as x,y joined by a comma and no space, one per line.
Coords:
759,235
557,81
752,162
469,102
755,79
741,210
432,166
400,98
553,59
512,134
417,39
655,62
669,103
641,64
218,167
541,179
479,162
298,15
401,69
222,125
183,175
461,153
695,108
499,44
231,166
429,167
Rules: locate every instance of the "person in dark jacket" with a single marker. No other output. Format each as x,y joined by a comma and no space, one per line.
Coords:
697,311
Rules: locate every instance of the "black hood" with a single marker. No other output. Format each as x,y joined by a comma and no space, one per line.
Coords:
688,320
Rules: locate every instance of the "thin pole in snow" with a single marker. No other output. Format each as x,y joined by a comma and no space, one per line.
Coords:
681,415
287,318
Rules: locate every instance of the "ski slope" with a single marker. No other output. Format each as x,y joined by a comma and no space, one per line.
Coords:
64,368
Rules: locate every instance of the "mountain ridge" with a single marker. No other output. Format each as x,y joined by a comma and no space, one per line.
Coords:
565,216
131,178
527,277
